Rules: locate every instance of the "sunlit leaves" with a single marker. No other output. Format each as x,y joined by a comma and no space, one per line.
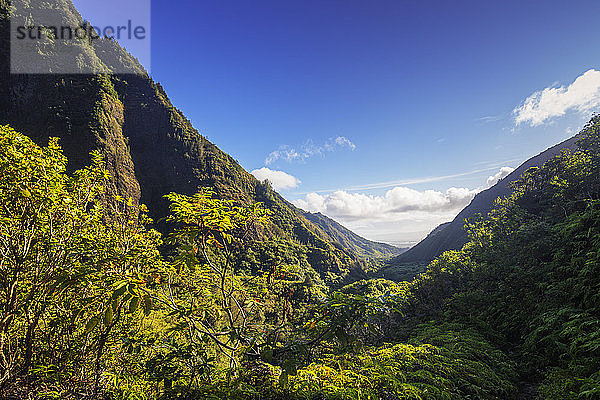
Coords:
69,253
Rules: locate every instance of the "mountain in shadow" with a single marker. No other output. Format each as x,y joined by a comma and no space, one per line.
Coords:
452,235
150,148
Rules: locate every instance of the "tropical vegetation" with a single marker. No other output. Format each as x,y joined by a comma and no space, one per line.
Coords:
95,303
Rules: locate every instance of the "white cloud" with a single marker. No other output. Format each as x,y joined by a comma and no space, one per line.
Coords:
279,179
397,203
308,150
583,96
503,173
342,141
402,215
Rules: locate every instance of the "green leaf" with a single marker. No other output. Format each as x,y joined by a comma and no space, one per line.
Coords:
289,367
133,304
131,289
283,380
91,324
267,355
119,291
108,315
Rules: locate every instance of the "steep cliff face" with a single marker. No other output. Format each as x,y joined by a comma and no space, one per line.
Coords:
84,112
149,146
452,235
168,153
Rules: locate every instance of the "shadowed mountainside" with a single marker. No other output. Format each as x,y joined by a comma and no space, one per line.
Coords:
451,235
150,147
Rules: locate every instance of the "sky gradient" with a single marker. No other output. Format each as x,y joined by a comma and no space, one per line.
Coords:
386,115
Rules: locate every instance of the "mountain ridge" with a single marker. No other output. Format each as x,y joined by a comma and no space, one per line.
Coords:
338,233
150,147
451,235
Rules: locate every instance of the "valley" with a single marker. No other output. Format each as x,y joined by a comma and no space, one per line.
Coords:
140,261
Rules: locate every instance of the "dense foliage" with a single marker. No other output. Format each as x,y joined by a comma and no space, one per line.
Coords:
63,248
94,304
528,279
514,314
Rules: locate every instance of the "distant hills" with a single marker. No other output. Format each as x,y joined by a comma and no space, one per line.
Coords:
451,235
350,240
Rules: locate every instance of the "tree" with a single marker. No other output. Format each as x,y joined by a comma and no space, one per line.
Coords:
65,250
214,310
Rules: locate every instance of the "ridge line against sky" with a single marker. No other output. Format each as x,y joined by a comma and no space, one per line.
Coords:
417,91
542,108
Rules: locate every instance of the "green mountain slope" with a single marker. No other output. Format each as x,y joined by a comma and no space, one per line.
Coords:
528,278
92,309
350,240
150,147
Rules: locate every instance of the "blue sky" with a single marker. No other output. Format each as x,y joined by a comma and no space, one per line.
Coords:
369,92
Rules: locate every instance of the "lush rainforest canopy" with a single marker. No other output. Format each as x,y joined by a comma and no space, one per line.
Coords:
95,303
